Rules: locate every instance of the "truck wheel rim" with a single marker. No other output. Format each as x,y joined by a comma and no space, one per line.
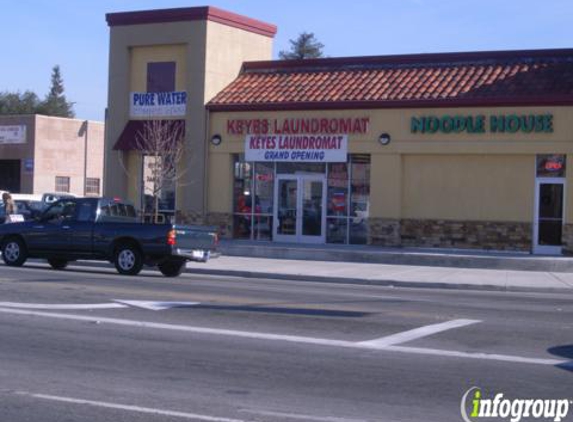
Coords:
126,259
12,251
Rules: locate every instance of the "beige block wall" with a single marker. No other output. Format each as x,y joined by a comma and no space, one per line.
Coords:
60,151
463,176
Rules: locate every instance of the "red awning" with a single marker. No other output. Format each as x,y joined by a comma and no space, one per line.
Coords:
127,141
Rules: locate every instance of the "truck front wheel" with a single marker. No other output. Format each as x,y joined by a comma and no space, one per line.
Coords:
172,268
128,259
14,252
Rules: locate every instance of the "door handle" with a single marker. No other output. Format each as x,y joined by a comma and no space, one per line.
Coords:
38,227
66,227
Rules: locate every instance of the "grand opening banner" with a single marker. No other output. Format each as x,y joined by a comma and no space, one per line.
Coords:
297,148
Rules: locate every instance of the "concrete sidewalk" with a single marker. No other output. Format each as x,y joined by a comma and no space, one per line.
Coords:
387,274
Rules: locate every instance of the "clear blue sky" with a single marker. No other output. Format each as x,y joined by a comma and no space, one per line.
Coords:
37,34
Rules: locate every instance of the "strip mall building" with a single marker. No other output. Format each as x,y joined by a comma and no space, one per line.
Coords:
463,150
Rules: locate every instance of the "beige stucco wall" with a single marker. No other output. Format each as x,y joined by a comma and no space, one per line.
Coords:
209,56
140,56
462,176
60,151
468,187
227,49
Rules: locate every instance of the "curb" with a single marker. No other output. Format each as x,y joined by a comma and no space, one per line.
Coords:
426,259
382,283
354,280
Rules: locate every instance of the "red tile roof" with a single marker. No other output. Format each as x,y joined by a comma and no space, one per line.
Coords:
535,77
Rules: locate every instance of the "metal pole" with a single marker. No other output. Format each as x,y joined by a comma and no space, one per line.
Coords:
85,157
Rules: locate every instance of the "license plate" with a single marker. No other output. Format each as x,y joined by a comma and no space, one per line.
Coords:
198,254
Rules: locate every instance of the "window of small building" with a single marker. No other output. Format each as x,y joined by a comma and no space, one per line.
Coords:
160,76
92,186
62,184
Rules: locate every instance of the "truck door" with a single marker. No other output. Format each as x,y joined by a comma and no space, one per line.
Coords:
81,227
52,233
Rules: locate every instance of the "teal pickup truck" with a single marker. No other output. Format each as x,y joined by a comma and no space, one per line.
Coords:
105,229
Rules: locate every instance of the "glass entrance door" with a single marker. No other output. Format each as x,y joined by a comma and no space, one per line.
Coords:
299,212
548,224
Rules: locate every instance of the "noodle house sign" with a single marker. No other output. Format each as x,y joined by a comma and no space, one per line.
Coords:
298,139
505,123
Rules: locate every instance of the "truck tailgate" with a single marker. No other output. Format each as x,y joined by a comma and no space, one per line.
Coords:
196,237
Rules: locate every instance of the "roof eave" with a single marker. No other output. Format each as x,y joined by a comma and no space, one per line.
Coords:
565,100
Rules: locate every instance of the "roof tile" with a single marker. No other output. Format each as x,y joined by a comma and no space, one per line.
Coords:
442,78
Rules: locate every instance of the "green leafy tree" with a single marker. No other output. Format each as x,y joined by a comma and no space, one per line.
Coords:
56,103
306,46
17,103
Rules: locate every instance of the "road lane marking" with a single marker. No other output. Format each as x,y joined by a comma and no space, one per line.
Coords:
300,417
289,338
118,304
155,306
62,306
130,408
417,333
477,355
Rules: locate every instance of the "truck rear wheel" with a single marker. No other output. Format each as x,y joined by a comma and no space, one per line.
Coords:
128,259
172,268
57,263
14,252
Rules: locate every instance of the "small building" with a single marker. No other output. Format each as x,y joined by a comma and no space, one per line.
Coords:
40,154
456,150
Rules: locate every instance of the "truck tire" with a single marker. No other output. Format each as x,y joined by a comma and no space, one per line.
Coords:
14,252
172,267
128,259
57,263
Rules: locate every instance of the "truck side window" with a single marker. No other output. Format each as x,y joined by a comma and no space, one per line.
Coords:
86,211
130,210
62,210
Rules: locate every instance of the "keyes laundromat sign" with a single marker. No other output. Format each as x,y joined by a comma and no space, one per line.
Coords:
319,140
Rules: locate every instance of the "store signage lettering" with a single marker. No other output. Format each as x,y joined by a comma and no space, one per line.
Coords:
511,123
148,104
13,134
321,148
296,126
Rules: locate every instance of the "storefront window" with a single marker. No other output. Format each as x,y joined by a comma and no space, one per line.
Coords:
292,168
359,199
242,196
264,195
338,189
347,202
551,165
337,230
253,194
157,187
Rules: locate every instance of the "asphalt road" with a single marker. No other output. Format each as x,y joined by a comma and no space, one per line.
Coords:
87,345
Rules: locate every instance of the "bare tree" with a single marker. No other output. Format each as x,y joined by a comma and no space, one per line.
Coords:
162,145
